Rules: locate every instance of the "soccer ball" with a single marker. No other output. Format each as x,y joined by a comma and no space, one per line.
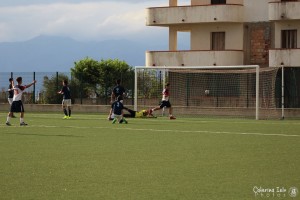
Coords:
206,92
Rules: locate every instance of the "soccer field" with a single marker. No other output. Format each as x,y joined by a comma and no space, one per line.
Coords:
87,157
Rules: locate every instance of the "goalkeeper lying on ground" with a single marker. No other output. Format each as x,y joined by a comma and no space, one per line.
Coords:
135,114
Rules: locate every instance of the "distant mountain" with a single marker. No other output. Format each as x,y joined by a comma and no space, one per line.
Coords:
49,54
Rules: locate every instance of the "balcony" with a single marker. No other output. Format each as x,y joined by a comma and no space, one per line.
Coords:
194,58
286,57
288,10
163,16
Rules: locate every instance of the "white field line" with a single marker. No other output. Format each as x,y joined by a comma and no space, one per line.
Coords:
174,131
270,122
99,117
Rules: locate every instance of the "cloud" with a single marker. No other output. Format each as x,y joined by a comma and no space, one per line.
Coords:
98,20
39,2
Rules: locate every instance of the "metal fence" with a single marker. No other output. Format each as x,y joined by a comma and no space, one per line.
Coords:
49,83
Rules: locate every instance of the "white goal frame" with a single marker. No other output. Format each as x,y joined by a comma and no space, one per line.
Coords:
256,67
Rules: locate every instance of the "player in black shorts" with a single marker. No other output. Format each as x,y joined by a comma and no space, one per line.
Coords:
17,105
11,93
117,109
66,102
134,114
165,102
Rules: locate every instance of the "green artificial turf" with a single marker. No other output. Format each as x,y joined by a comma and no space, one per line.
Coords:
87,157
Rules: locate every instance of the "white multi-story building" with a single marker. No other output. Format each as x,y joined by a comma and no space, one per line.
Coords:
229,32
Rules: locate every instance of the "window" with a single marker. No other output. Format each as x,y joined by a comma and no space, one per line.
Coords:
218,41
289,39
218,1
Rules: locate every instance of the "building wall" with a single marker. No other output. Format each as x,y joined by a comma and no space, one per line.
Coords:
201,35
257,41
194,58
207,2
256,10
256,32
283,25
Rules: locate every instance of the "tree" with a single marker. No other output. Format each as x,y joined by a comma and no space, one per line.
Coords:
100,76
111,70
87,71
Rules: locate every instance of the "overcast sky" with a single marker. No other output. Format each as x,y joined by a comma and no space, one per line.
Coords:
84,20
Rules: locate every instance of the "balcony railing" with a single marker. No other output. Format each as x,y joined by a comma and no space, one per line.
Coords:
284,10
286,57
162,16
194,58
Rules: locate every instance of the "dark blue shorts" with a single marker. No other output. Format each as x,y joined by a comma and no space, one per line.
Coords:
17,106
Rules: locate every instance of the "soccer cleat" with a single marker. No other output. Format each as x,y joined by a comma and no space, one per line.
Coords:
23,124
8,124
114,121
69,117
125,121
65,117
172,117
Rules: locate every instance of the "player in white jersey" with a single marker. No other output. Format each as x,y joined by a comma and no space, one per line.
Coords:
165,102
17,105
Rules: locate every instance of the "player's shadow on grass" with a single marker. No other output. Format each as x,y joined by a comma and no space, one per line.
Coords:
43,135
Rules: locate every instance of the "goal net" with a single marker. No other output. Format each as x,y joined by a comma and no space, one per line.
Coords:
231,91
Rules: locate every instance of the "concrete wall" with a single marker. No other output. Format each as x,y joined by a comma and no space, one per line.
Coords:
201,35
207,2
57,108
194,58
104,110
281,11
256,10
283,25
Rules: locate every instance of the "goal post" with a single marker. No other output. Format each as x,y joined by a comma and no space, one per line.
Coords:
236,91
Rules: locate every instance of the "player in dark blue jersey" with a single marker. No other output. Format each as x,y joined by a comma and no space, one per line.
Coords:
134,114
66,102
117,109
118,91
11,93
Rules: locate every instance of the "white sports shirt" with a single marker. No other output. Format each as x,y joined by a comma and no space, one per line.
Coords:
18,93
165,94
